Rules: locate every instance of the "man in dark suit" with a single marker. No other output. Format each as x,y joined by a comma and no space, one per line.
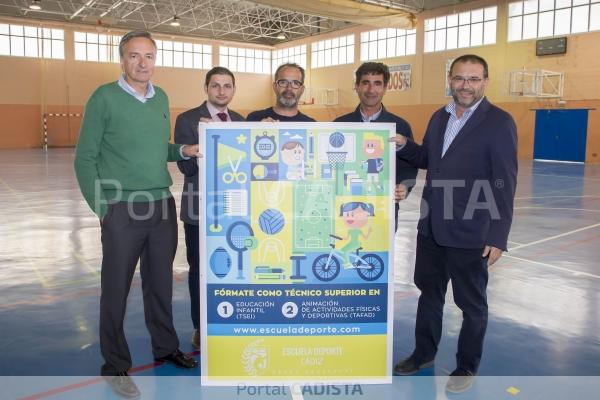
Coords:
371,83
219,86
470,153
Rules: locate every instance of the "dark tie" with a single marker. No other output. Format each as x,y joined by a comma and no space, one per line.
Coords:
222,116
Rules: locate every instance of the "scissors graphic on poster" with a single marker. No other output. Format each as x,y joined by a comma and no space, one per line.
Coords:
234,175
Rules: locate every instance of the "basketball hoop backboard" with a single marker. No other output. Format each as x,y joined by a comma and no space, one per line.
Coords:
536,83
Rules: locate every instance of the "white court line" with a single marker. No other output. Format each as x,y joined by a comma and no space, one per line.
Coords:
551,197
567,176
554,237
555,208
296,391
557,161
398,281
8,187
416,211
574,272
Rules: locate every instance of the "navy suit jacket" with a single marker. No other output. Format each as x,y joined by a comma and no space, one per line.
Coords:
405,173
186,132
469,193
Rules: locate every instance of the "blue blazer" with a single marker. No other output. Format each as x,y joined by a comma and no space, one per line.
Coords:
468,196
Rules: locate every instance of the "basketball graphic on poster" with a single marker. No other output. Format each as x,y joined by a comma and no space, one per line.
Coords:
336,139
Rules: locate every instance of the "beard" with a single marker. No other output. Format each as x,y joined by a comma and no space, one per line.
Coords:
477,95
287,102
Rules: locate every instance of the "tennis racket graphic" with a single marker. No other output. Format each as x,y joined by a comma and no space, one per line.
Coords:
240,237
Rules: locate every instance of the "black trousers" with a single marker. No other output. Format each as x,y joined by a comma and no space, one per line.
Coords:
467,270
132,232
192,244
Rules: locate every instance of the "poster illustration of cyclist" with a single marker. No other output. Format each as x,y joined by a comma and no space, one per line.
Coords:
296,252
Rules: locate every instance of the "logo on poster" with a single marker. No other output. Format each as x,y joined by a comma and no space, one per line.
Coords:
255,358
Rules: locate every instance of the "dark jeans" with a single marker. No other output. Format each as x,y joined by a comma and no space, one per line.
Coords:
132,232
467,270
192,244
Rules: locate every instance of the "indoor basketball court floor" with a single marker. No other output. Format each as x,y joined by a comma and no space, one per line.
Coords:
543,338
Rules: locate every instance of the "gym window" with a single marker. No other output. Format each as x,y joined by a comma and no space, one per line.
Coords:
183,55
387,43
31,41
532,19
295,54
96,47
245,60
336,51
466,29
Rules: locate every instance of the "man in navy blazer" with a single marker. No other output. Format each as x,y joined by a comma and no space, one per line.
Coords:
371,83
219,86
470,153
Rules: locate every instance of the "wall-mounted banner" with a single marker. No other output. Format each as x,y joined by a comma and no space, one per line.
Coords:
447,90
296,252
399,77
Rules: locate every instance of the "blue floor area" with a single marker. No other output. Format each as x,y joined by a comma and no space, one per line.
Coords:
410,388
543,335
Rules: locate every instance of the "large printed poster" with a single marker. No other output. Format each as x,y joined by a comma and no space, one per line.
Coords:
296,254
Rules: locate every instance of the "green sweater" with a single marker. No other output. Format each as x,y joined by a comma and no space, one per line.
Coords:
123,148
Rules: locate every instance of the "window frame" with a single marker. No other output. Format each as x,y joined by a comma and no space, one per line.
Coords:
532,11
32,41
471,28
245,59
89,44
340,47
397,42
281,56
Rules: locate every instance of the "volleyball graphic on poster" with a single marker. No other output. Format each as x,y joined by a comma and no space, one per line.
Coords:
271,221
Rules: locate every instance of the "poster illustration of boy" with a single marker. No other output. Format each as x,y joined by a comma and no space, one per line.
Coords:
292,155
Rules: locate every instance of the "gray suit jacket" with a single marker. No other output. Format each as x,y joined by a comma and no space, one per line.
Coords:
186,132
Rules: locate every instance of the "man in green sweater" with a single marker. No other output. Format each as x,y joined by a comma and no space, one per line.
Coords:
121,166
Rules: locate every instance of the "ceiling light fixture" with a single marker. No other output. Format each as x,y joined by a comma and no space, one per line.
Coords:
280,36
35,5
175,21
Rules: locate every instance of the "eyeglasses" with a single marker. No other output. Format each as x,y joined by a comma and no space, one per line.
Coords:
283,83
472,80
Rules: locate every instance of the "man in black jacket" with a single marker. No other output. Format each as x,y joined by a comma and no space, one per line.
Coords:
219,86
288,88
371,83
